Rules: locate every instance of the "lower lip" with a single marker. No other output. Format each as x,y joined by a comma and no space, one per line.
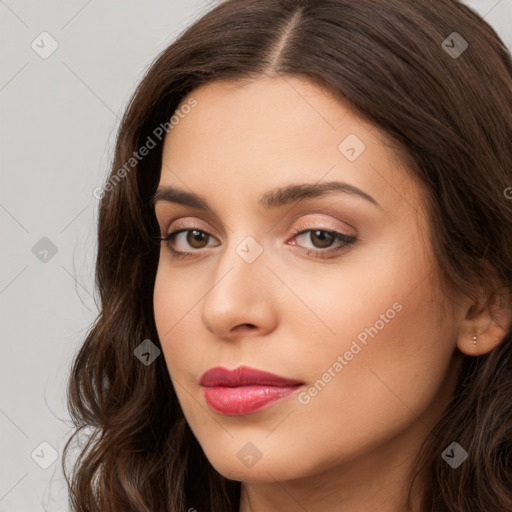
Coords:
244,399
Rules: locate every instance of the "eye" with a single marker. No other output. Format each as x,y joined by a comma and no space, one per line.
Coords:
323,240
192,236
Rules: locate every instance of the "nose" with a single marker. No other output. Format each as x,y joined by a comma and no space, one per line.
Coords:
240,300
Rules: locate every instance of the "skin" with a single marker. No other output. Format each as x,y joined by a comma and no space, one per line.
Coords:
352,446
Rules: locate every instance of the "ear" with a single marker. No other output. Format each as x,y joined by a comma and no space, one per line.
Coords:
489,320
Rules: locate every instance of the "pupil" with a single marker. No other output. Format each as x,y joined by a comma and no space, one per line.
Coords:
195,236
325,241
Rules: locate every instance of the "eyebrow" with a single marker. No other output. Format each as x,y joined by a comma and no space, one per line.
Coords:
274,198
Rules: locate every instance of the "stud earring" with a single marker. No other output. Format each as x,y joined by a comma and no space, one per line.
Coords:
474,339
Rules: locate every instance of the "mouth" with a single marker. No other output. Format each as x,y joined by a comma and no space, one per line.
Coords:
244,390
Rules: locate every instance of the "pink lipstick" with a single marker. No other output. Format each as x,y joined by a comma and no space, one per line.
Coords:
244,390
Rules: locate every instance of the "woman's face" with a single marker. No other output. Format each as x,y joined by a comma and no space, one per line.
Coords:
336,289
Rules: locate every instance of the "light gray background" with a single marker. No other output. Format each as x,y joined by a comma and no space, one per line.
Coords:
59,117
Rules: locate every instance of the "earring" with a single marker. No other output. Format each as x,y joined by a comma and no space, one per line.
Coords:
474,339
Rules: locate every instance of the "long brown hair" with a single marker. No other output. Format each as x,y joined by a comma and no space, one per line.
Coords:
448,109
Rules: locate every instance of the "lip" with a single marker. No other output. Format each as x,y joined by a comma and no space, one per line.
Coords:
244,390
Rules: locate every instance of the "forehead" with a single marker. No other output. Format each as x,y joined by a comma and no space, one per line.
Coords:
291,112
272,132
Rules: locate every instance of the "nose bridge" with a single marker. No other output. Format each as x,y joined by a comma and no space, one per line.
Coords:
240,266
238,294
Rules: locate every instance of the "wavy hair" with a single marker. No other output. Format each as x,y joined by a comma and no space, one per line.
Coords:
449,115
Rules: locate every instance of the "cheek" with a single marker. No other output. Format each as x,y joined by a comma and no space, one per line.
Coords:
395,350
173,303
395,346
176,320
176,297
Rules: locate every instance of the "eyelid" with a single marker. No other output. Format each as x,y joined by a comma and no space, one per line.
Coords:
313,222
186,223
300,222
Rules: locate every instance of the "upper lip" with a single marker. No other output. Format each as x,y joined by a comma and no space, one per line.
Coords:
243,376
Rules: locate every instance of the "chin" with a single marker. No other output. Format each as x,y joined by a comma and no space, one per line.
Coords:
266,470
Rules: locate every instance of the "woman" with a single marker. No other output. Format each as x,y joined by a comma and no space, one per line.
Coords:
304,265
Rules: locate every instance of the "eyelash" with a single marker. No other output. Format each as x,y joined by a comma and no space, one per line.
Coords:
347,240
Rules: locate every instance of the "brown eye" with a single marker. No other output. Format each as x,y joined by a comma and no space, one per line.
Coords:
187,240
195,238
321,238
323,243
